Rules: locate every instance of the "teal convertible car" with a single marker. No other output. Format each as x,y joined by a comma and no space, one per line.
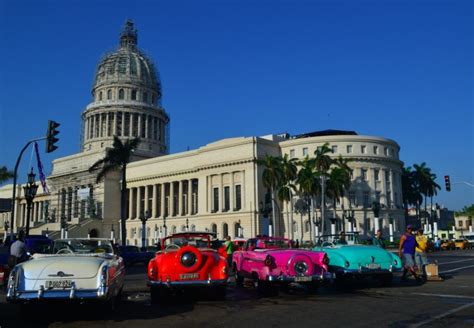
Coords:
349,259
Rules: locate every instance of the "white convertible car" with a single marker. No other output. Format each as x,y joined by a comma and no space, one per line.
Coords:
76,269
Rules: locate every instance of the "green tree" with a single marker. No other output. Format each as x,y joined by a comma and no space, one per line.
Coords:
272,177
287,188
309,185
322,163
117,158
339,180
5,175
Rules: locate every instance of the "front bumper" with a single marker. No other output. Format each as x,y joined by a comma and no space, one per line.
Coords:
327,276
186,283
16,296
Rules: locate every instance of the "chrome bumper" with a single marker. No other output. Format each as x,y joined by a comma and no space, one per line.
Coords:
100,294
327,276
186,283
366,271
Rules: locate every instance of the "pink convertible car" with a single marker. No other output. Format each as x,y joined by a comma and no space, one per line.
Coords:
269,261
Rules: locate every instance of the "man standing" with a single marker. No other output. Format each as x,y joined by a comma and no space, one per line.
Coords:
407,248
17,250
229,249
420,254
378,240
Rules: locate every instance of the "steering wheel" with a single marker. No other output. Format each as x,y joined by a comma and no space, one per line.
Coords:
327,244
172,246
64,251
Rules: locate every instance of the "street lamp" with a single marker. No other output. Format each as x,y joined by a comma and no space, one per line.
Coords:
187,224
63,226
30,193
240,229
316,224
144,217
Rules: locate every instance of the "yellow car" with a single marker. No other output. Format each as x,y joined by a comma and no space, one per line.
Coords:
461,244
447,244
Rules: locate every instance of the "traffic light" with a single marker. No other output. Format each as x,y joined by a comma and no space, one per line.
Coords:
51,136
447,182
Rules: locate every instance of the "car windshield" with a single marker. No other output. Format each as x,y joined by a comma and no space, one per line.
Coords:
341,239
40,246
199,241
82,246
268,243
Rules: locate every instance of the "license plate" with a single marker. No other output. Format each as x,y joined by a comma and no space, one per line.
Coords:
302,279
58,284
373,266
187,276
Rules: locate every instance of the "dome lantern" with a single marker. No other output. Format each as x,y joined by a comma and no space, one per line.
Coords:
128,37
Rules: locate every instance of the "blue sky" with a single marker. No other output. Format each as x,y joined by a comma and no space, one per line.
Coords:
398,69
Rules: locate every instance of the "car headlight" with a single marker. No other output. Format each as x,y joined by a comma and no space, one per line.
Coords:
347,264
395,262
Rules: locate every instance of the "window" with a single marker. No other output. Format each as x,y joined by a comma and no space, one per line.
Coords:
385,150
238,198
363,174
292,153
349,149
352,198
363,149
143,126
389,201
305,151
126,125
376,150
460,224
377,196
226,199
134,94
214,228
377,174
109,94
366,199
122,65
334,149
225,230
100,96
215,205
119,124
145,97
387,177
121,94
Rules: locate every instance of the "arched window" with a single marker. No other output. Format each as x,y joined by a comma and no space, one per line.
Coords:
109,94
121,94
134,94
100,96
183,228
214,228
225,230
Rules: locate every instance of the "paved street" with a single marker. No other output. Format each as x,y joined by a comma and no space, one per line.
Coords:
434,304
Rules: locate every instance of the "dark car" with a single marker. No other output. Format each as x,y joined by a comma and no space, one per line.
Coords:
132,255
34,243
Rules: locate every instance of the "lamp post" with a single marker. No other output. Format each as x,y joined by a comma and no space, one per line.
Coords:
350,219
187,224
63,226
144,216
30,193
239,230
316,225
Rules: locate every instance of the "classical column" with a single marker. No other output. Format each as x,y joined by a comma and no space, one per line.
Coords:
139,125
190,196
154,201
231,192
86,128
146,126
145,203
172,213
122,133
392,189
162,200
130,130
130,202
180,198
139,207
107,122
114,128
384,187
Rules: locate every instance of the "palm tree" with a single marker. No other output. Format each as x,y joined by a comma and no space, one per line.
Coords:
288,176
117,158
271,179
309,185
322,163
339,181
5,175
422,178
346,180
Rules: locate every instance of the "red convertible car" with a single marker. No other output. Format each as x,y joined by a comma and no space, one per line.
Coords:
187,260
269,262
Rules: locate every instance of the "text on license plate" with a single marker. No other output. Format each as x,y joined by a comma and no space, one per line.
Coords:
186,276
373,266
300,279
58,284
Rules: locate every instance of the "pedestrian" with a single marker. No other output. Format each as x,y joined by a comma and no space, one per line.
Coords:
378,240
407,249
229,249
421,258
18,250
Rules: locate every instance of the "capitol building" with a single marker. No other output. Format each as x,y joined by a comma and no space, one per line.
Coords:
217,187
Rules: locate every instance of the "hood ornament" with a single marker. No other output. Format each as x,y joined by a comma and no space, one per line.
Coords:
60,274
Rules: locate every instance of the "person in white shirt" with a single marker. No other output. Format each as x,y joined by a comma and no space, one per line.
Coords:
17,250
